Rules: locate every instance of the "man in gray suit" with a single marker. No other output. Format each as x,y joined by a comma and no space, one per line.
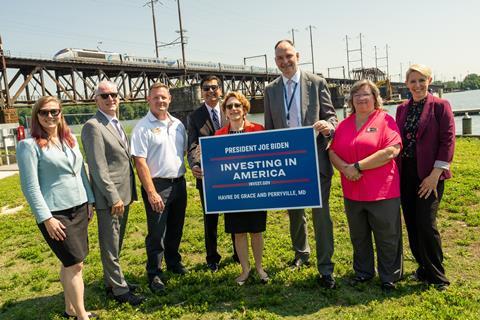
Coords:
113,181
295,99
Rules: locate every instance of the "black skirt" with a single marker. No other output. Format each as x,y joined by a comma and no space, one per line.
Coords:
74,248
242,222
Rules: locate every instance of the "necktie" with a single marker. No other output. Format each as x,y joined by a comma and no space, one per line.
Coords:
216,123
293,111
120,132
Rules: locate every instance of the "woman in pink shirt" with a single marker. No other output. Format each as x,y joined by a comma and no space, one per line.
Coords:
363,150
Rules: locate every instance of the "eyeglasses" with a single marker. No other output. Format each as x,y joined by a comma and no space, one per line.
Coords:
361,95
233,105
105,95
208,88
52,112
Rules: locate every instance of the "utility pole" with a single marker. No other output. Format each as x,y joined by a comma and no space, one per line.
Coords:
151,4
293,30
4,98
383,58
354,50
182,39
348,57
311,46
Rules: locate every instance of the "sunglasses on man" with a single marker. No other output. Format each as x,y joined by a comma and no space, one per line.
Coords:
208,88
106,95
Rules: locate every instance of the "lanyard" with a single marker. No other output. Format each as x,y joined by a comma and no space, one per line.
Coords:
289,102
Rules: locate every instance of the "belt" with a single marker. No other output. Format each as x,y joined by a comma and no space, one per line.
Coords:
171,180
68,211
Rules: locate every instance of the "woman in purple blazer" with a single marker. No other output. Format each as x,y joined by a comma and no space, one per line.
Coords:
427,127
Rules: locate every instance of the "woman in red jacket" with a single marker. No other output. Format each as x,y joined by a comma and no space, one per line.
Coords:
427,128
235,107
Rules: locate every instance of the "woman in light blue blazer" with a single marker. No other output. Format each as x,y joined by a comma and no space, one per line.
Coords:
55,184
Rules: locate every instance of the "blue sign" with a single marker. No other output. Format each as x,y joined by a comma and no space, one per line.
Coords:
274,169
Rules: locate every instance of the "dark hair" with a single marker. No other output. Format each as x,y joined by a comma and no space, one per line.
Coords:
290,42
210,78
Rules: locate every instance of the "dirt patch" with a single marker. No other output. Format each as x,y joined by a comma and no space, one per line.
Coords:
8,210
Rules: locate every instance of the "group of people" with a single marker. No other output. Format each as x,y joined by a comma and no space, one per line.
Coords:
385,164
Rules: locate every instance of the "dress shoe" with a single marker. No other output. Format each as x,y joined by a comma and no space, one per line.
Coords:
265,279
298,262
441,286
132,299
178,269
388,286
359,279
419,275
156,285
327,281
212,266
91,315
242,280
132,287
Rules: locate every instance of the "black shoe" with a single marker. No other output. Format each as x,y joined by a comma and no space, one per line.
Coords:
298,262
212,266
359,279
441,286
388,286
91,315
327,281
132,287
132,299
156,285
178,269
419,275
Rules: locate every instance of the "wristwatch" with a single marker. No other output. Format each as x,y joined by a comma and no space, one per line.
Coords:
357,166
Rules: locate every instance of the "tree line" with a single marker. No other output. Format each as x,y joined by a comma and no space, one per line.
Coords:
470,82
79,114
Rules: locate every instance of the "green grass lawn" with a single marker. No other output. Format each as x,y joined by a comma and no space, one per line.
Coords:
30,289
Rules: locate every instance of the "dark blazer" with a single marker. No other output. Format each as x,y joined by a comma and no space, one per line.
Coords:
316,104
199,124
109,163
435,134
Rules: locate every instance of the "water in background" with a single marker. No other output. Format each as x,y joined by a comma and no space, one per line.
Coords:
458,100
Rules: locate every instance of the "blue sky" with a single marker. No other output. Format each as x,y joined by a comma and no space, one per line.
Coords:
440,33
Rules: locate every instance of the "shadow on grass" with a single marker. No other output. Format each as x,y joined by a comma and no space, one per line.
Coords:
292,293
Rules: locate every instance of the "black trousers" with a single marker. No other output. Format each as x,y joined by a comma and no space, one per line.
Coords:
165,229
421,221
210,227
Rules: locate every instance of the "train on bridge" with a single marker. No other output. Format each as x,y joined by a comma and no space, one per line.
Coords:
87,55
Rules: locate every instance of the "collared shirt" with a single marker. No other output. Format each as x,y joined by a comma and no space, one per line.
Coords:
109,118
295,79
215,109
351,145
162,143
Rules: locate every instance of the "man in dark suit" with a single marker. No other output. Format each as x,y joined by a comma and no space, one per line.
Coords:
296,99
113,181
203,122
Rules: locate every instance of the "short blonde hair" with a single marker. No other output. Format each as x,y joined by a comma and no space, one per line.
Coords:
420,68
357,86
240,97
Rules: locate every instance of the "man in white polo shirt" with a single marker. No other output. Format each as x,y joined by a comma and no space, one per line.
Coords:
159,142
